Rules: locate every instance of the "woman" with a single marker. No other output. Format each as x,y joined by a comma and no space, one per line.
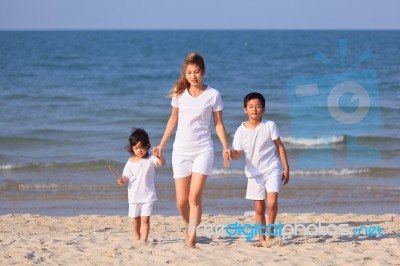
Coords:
193,105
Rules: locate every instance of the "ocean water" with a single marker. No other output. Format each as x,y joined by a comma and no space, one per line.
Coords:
68,100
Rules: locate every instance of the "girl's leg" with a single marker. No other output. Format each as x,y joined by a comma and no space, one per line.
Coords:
272,203
182,186
195,201
136,228
145,228
259,207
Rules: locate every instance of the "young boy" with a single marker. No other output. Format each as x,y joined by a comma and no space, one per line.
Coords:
259,140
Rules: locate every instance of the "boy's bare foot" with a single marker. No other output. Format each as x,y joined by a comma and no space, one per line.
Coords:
273,242
258,244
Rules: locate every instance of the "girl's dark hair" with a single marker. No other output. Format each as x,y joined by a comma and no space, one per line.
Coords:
138,135
181,83
252,96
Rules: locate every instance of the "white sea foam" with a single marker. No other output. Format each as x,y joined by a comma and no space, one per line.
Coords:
313,141
330,172
227,171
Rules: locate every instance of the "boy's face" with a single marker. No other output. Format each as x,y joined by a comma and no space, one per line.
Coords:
254,109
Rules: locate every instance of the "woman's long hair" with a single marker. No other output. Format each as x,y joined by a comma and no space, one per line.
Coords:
182,83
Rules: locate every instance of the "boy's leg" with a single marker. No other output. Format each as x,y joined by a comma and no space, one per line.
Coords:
145,228
259,208
136,228
272,204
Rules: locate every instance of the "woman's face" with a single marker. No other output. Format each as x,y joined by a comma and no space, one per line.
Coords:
194,75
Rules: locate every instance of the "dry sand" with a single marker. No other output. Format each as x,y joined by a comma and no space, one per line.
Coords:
108,240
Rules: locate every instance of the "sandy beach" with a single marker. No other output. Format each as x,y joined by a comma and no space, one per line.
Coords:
108,240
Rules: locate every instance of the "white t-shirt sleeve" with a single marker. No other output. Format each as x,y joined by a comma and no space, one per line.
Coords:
273,129
237,141
127,172
154,160
174,102
218,105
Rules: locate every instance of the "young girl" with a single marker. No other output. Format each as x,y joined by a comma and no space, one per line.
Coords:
139,173
195,106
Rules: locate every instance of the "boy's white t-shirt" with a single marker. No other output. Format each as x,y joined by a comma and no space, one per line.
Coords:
259,147
193,132
141,175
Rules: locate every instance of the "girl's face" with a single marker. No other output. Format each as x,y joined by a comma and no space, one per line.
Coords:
140,150
254,109
194,75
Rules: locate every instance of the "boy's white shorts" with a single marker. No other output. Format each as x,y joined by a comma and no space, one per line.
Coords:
140,209
185,163
257,185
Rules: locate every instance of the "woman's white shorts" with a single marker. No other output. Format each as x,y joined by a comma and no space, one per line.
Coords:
257,185
184,163
141,209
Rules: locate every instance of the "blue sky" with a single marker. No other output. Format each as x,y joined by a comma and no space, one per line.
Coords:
205,14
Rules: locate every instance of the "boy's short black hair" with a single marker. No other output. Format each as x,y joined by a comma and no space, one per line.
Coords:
252,96
138,135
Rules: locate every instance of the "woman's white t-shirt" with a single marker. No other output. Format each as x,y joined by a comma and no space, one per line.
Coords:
193,132
259,147
141,175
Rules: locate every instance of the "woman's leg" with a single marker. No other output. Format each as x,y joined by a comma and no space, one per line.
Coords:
182,186
195,201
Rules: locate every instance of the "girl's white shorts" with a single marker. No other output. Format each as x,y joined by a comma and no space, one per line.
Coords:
184,163
141,209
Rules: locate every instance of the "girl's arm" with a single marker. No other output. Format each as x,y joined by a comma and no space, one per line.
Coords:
160,157
122,180
282,153
169,129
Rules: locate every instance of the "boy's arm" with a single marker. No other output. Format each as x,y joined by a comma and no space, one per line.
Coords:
282,153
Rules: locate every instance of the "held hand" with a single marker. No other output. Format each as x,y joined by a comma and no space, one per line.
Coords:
226,155
156,152
285,176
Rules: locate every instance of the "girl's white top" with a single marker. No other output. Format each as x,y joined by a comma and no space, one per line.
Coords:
195,113
141,175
